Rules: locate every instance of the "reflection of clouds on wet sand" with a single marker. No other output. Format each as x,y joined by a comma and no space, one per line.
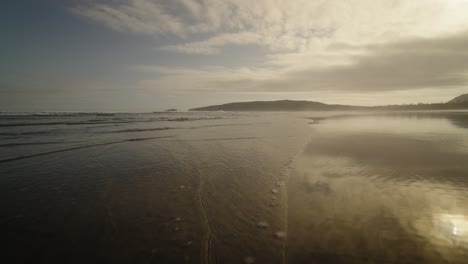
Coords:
378,198
398,157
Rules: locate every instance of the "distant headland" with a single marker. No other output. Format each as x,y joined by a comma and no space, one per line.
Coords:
460,102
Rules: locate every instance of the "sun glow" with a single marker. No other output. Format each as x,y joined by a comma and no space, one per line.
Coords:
453,227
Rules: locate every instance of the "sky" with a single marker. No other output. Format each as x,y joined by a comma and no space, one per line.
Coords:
151,55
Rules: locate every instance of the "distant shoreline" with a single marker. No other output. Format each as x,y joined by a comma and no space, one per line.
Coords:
292,105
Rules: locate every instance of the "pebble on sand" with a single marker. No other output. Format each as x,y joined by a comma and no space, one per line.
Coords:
274,191
262,224
249,260
188,243
280,234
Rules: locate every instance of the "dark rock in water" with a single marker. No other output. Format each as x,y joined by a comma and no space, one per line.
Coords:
171,110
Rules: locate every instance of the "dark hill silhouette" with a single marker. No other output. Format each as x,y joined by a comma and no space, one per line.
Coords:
460,102
459,99
281,105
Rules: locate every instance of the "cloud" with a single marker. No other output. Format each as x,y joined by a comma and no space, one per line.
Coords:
411,64
215,78
321,45
417,63
212,45
280,25
138,16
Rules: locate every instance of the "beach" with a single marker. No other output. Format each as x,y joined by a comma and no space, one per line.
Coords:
235,187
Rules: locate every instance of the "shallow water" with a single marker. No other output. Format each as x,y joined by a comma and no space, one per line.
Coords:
235,187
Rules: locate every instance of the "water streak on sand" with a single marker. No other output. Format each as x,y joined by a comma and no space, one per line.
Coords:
285,239
285,176
208,248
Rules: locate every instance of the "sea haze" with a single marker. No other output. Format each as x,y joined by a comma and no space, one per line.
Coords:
230,187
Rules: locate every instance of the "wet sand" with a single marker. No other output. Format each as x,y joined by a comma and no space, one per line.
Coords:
235,188
381,190
194,193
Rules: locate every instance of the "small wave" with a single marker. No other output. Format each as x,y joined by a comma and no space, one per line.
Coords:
142,129
67,123
26,133
136,130
7,145
143,139
79,147
184,119
223,139
242,124
56,114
